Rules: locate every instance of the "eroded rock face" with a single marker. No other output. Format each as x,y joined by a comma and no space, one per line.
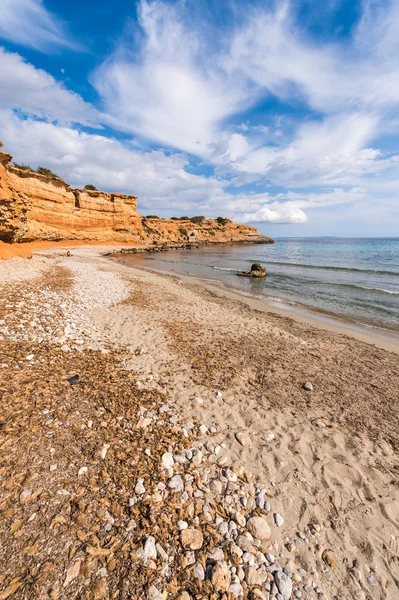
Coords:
37,207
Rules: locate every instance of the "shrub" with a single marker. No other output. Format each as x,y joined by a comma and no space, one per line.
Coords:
222,220
184,218
146,227
46,172
197,220
183,231
152,217
90,186
23,167
174,218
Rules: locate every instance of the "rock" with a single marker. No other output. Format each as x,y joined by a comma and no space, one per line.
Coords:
188,559
308,387
217,555
104,451
176,483
197,458
239,519
260,499
328,558
182,525
167,460
256,576
72,572
25,496
220,577
154,594
243,438
236,590
192,538
256,271
259,528
82,471
284,584
139,487
199,572
150,550
278,519
245,544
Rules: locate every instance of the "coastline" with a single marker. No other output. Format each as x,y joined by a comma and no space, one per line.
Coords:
381,338
171,367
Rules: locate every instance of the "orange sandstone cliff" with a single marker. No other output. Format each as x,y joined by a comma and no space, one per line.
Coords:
36,207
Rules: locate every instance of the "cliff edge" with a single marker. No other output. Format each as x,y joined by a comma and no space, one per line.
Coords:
40,207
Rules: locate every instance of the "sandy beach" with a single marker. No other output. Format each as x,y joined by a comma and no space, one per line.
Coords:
192,410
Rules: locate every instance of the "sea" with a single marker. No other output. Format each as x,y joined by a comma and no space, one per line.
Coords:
354,279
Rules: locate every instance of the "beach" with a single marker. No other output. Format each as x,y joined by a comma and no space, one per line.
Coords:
194,410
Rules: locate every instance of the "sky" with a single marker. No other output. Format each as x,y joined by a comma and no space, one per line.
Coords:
280,114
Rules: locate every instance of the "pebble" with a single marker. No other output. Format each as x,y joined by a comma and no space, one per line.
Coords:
176,483
308,387
239,519
154,594
199,571
243,438
220,577
150,550
256,576
284,584
139,487
217,555
236,590
182,525
167,460
82,470
25,496
192,538
278,519
259,528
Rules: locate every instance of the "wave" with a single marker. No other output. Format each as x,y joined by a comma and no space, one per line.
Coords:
224,269
378,289
330,268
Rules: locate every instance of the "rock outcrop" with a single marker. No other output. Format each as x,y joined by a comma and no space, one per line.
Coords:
256,271
38,207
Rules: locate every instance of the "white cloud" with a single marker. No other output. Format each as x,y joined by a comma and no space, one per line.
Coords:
174,88
29,23
161,181
289,207
278,214
35,92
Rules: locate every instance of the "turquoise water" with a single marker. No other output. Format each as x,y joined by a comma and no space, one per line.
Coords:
351,278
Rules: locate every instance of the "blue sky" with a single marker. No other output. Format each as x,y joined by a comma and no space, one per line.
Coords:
282,114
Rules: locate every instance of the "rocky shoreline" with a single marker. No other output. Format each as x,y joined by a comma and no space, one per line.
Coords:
121,474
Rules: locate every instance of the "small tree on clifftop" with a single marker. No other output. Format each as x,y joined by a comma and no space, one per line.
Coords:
90,186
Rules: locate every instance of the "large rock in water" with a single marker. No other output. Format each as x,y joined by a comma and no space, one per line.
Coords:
256,271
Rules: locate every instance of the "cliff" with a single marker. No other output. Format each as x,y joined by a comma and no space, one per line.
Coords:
37,207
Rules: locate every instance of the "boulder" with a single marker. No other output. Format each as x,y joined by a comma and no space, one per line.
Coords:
256,271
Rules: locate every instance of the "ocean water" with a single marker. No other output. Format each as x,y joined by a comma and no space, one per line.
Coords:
352,278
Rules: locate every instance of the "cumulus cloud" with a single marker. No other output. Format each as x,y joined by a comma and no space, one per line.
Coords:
289,207
35,92
161,181
29,23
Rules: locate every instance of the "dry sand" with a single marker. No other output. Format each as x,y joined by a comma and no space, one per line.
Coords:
328,457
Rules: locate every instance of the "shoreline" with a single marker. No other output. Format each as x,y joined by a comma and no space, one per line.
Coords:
384,339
